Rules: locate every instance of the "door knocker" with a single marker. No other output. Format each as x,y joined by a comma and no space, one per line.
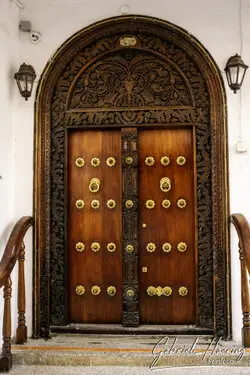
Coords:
165,184
94,185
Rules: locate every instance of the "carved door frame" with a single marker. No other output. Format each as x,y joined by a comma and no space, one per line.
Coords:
54,115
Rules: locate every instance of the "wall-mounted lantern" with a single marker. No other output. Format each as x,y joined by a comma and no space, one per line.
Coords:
235,71
25,78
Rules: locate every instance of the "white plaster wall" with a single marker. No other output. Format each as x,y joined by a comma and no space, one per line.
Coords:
214,23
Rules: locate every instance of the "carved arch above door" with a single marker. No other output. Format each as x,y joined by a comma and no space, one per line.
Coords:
180,85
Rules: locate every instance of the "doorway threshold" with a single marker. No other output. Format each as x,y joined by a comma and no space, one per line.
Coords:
142,329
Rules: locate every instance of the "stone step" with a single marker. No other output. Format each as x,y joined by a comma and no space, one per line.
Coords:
149,351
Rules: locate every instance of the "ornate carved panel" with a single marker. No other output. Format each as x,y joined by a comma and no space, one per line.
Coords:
163,79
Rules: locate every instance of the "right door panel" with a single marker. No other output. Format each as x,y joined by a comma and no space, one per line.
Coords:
167,234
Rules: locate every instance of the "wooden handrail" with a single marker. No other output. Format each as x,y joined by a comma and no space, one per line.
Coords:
243,230
14,250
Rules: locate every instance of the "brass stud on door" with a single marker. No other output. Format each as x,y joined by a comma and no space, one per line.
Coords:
80,290
166,247
95,290
150,204
95,246
80,247
95,204
167,291
80,204
95,162
183,291
150,247
111,290
130,293
111,203
129,203
166,203
129,160
181,160
181,203
111,247
149,161
110,161
129,249
182,247
79,162
165,160
151,290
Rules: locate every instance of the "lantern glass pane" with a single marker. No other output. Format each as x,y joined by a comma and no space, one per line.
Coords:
233,74
241,74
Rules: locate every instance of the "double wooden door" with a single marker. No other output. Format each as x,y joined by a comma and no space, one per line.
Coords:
131,226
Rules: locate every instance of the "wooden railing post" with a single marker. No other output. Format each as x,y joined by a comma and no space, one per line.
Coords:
6,357
245,300
21,332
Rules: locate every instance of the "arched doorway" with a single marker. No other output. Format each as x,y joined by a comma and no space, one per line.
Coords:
131,204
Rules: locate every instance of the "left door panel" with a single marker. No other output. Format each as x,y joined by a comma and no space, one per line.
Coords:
94,222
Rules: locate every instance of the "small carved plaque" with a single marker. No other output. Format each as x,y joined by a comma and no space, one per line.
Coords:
128,41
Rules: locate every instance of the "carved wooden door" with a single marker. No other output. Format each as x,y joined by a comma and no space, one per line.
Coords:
94,227
112,225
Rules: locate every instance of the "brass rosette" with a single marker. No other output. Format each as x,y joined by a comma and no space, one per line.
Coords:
150,247
182,247
80,290
79,162
165,160
149,161
130,293
181,160
95,246
95,162
151,290
166,203
166,247
167,291
94,185
111,290
110,161
150,204
80,204
129,203
183,291
129,248
95,204
80,247
95,290
111,203
129,160
181,203
111,247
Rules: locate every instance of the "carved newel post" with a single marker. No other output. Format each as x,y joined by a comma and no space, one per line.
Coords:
21,332
6,357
